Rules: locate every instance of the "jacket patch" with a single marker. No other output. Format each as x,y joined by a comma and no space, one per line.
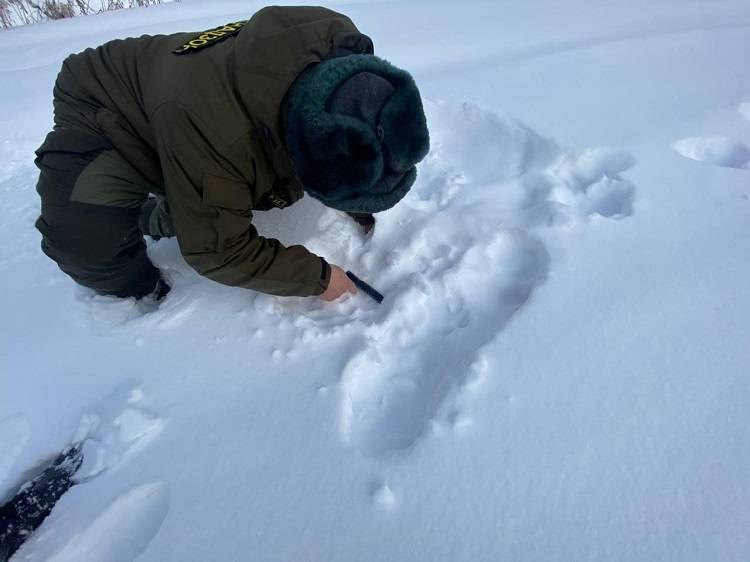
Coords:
277,201
210,37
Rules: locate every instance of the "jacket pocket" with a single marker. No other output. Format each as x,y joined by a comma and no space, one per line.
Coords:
227,193
64,154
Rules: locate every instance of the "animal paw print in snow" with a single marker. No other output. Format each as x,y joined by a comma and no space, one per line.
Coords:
718,150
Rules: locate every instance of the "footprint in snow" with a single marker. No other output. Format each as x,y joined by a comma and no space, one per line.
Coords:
114,431
458,258
117,429
718,150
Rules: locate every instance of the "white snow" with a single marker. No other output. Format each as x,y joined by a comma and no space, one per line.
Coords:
559,370
123,530
715,150
14,434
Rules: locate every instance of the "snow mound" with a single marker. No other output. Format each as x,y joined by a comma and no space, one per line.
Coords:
458,259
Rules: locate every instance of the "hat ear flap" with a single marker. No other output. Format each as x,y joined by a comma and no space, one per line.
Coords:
343,156
355,128
407,140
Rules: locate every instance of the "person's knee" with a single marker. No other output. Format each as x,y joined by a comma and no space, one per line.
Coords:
92,233
99,247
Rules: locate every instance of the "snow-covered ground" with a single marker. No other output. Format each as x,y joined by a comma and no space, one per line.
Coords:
560,370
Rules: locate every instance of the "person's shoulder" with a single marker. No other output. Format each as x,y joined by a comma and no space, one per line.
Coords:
272,19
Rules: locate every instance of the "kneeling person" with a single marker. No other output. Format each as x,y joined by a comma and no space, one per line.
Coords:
248,116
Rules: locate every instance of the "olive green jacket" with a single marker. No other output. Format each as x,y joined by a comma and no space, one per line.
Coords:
198,115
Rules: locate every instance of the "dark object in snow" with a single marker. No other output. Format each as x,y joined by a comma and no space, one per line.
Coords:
367,289
364,220
33,502
162,290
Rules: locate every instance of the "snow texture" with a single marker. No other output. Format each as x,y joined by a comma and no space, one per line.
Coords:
14,434
123,530
558,370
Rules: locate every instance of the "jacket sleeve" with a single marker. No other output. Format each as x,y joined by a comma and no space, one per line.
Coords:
210,206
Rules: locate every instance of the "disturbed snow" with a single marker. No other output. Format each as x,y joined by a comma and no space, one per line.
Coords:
558,370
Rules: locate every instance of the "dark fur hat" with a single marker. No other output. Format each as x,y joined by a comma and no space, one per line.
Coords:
355,128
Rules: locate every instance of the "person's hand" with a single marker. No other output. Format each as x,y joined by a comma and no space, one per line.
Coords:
338,285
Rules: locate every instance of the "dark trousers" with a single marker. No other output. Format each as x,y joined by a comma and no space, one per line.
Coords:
91,200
